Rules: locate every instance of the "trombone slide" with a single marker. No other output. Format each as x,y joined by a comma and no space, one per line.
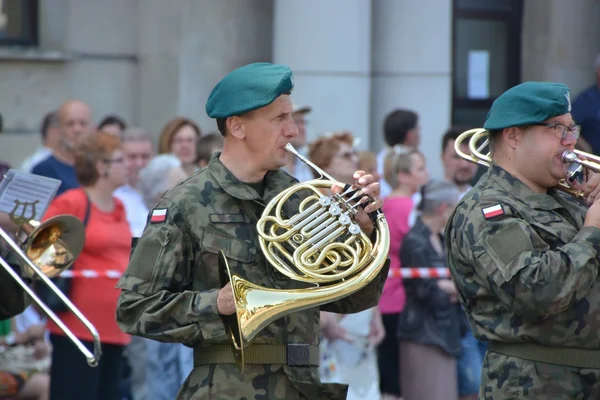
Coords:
92,359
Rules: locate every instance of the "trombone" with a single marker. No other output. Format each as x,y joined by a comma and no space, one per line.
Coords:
48,249
478,139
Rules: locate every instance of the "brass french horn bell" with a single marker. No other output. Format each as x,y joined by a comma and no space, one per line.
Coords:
321,246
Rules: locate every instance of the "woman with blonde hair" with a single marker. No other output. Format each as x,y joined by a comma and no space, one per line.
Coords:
348,348
180,137
405,172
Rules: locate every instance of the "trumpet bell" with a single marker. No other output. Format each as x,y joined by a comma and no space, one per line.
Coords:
53,245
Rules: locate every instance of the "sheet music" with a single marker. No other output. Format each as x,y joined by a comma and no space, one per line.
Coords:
26,192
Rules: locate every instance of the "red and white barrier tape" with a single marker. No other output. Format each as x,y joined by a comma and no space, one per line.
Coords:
89,273
419,273
405,273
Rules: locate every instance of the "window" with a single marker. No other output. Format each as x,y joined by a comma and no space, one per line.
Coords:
486,56
19,22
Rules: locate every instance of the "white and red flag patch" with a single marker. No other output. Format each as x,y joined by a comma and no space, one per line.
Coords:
493,211
158,215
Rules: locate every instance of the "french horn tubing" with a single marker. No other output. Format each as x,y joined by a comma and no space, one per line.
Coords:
321,246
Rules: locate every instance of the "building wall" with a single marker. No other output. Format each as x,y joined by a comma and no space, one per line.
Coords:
354,60
561,39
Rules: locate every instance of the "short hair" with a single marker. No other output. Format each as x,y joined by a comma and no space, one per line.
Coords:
322,151
91,148
112,119
397,124
135,134
169,131
494,138
452,134
222,126
154,177
207,144
398,159
49,120
436,193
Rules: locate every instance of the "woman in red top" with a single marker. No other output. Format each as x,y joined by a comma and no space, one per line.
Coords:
100,170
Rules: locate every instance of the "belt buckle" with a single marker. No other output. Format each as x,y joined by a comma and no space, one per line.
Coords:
298,355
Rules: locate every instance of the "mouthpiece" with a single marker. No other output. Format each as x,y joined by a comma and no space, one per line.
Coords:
569,157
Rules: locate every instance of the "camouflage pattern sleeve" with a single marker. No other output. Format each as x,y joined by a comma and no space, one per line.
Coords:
156,301
524,272
13,299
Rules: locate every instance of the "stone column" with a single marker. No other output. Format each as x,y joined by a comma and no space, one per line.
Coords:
412,47
328,46
560,40
187,46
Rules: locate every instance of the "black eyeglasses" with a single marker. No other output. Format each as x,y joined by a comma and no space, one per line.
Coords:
561,130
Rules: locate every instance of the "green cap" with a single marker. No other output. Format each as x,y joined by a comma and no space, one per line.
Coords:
528,103
248,88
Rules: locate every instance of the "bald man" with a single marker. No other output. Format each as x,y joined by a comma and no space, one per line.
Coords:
74,119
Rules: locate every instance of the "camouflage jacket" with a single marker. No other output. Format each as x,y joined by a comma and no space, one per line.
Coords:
169,290
525,267
13,299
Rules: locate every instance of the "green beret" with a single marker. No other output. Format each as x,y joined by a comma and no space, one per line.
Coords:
248,88
528,103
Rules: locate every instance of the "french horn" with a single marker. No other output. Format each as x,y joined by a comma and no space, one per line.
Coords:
321,245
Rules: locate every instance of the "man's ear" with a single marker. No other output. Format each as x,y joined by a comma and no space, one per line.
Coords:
512,136
236,127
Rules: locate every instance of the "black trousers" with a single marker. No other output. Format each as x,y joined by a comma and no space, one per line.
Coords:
388,357
71,378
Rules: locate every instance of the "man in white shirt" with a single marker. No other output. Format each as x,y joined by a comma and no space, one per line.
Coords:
50,141
138,149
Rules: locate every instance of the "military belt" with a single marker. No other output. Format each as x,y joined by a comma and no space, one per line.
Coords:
286,354
568,357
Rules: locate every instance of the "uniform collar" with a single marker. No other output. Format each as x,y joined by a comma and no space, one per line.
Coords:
275,182
521,191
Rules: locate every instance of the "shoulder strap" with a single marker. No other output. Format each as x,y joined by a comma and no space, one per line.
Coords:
88,207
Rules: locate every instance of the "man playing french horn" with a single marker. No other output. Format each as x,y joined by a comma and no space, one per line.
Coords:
174,288
525,255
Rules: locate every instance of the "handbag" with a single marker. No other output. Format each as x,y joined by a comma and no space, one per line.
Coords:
47,295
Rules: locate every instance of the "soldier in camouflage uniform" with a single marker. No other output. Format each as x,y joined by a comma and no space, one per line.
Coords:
173,288
525,256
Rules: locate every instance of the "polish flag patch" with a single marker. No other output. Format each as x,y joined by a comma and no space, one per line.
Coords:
158,215
493,211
